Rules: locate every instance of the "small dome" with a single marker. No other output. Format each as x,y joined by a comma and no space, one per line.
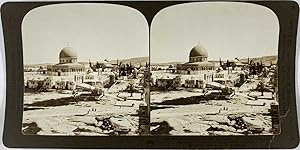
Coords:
198,51
67,52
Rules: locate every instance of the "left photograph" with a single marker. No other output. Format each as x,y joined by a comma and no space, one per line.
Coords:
85,70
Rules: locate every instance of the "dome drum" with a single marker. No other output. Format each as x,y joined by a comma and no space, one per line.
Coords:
198,59
67,60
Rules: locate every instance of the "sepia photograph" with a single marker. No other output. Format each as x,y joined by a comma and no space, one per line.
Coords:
84,66
214,70
150,74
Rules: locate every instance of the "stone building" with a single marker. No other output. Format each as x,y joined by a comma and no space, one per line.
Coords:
65,85
36,83
231,79
50,83
97,81
195,83
169,82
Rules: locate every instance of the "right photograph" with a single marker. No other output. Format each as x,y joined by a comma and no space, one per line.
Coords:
214,70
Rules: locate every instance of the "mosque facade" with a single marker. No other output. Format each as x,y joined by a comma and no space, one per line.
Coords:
198,64
67,65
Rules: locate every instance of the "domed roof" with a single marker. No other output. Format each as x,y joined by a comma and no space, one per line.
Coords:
67,52
198,51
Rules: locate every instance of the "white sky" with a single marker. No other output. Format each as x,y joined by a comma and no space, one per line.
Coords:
226,29
95,31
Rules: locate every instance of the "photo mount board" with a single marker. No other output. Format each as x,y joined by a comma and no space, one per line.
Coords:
287,13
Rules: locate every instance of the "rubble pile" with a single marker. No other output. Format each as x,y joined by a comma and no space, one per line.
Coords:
30,128
106,124
111,127
236,124
237,121
161,128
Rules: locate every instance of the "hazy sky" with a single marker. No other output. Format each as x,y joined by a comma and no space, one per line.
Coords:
95,31
226,30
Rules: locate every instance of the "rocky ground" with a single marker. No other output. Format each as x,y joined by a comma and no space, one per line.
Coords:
52,113
216,117
182,112
188,112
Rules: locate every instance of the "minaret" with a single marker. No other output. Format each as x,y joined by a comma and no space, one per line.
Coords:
248,60
228,66
90,63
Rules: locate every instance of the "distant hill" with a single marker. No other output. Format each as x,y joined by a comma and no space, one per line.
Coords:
142,60
265,60
134,61
166,64
38,65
